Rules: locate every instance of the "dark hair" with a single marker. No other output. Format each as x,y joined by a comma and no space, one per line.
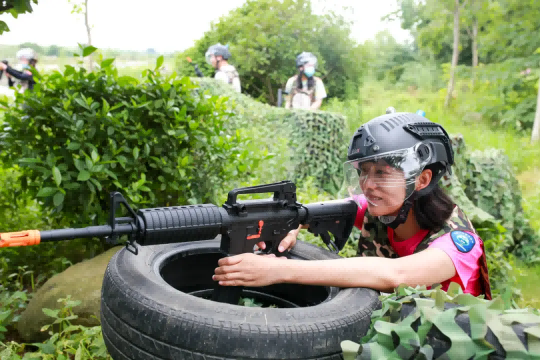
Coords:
310,81
432,210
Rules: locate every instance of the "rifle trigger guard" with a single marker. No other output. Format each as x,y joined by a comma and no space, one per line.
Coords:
332,247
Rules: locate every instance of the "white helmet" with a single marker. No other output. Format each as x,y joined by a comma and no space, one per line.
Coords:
27,54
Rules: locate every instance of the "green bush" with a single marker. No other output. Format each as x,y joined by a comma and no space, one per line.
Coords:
66,341
78,136
504,93
19,211
489,183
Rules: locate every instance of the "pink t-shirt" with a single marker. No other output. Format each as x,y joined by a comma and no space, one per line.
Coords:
467,264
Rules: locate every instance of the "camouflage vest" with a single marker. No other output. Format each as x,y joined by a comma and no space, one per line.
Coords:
231,74
308,92
374,241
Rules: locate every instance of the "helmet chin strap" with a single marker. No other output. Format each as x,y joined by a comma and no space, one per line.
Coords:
395,221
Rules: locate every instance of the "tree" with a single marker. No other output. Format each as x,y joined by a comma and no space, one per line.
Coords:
53,50
387,57
82,8
14,7
38,49
511,29
472,30
265,37
455,54
536,126
431,24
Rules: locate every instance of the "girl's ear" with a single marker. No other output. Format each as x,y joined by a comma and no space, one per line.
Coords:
424,179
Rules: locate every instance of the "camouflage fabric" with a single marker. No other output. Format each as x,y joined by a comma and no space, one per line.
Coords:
432,327
231,74
374,241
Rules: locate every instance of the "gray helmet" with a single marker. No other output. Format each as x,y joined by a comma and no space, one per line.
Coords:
27,54
218,50
400,131
306,57
390,152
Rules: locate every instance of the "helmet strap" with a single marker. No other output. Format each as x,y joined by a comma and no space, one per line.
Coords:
403,212
394,222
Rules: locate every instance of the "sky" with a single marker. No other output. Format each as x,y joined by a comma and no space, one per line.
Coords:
166,25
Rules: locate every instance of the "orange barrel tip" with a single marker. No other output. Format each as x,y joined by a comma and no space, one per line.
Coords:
20,238
188,59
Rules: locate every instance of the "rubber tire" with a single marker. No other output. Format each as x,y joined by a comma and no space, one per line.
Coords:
441,343
143,317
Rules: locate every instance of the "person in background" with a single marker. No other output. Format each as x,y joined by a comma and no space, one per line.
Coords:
304,90
27,59
218,56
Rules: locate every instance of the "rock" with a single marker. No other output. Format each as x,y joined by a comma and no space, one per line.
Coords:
82,281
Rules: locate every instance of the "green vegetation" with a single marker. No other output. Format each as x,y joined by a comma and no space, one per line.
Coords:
283,30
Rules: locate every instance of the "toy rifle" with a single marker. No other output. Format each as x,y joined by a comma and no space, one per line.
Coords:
241,224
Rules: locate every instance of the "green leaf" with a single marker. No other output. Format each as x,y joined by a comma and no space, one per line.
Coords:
83,175
127,80
193,125
58,199
4,315
79,353
46,191
30,161
107,62
51,313
184,161
82,103
350,349
88,50
159,62
57,176
95,156
73,146
110,130
136,153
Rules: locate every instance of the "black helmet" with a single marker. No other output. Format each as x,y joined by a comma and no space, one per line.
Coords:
218,50
306,57
391,151
400,131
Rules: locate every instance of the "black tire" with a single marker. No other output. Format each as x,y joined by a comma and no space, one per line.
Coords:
441,343
144,316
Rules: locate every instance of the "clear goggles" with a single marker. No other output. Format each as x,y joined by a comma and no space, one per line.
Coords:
386,179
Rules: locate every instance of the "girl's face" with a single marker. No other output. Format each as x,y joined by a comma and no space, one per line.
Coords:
383,186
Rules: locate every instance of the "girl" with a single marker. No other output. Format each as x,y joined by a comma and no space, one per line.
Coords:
411,231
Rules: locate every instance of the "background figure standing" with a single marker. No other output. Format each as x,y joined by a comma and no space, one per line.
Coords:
27,60
304,90
218,55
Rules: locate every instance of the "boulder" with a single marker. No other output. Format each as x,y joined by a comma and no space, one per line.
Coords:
82,281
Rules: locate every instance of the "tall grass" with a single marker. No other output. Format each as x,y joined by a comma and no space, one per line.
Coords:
375,97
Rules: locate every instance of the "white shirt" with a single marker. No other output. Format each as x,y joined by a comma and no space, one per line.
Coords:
222,75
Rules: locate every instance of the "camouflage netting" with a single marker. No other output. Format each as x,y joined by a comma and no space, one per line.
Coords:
316,140
415,323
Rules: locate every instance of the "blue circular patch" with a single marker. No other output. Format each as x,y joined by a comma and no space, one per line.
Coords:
464,241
